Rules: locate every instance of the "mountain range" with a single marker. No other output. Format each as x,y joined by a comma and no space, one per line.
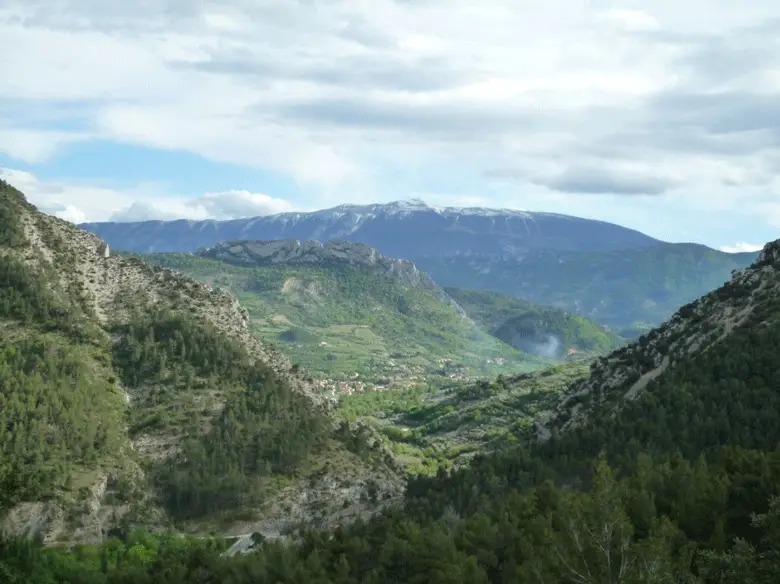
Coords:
613,274
438,232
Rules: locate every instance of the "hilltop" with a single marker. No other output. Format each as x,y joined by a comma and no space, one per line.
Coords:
137,396
615,275
333,253
352,317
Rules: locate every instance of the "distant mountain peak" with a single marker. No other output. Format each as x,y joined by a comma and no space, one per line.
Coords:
408,228
414,204
525,254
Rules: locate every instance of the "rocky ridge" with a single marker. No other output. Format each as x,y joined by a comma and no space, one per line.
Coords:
105,278
334,252
744,301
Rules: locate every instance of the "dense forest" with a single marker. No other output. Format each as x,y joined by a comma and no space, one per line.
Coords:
67,379
58,403
668,521
61,404
263,428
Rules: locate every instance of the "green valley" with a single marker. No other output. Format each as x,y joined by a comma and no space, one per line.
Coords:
444,428
657,463
353,324
137,405
397,292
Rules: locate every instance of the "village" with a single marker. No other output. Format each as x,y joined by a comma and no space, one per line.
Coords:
404,377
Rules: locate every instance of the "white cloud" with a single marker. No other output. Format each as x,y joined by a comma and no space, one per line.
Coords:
219,206
221,21
632,19
83,203
33,146
740,247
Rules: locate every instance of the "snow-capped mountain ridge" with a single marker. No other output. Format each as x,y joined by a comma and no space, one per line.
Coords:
408,229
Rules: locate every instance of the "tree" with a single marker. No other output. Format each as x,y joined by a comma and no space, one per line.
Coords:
592,540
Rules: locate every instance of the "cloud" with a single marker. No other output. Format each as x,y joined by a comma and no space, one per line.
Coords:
81,203
608,182
632,19
219,206
418,73
741,247
34,146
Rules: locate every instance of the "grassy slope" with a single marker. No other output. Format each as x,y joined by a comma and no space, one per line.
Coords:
621,289
500,315
339,321
718,342
429,429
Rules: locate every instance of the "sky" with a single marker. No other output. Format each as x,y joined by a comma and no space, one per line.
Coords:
660,115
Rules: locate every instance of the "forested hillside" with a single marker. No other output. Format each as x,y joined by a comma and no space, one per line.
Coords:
131,395
675,482
534,327
632,289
